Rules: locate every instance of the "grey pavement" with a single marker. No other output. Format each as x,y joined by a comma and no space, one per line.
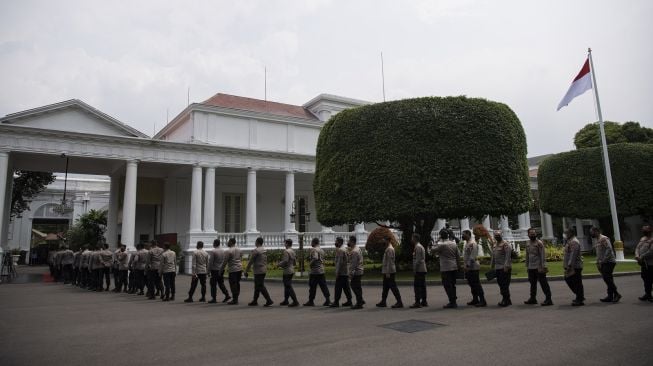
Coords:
52,324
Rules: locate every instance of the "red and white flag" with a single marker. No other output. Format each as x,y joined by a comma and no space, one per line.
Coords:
581,84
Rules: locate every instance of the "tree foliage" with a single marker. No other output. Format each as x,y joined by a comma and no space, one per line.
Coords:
414,160
615,133
573,183
26,185
89,229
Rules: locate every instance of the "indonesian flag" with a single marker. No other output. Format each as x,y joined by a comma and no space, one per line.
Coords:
581,84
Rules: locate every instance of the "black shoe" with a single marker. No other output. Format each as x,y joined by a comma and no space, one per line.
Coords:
268,303
348,303
151,298
212,301
481,304
451,305
188,300
172,298
381,305
226,299
398,305
165,299
293,305
309,303
202,300
531,301
645,298
357,306
504,303
607,299
547,302
232,302
424,304
416,306
326,303
334,305
283,303
577,303
139,294
253,303
473,302
616,298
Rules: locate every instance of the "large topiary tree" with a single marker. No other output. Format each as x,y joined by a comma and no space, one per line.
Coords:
573,183
413,160
615,133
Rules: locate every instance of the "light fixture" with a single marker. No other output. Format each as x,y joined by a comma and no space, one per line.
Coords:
66,206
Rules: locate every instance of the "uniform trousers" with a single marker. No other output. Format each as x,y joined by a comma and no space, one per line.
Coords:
153,282
419,286
575,283
647,277
140,279
534,276
503,280
342,284
169,284
201,278
217,280
389,284
357,289
288,291
122,280
67,270
234,284
106,272
449,284
259,287
474,282
606,270
315,280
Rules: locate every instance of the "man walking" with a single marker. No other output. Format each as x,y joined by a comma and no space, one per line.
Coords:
233,260
502,264
447,250
200,263
605,262
316,275
342,275
356,272
419,272
259,260
472,268
573,265
644,257
536,267
287,263
389,270
168,271
216,264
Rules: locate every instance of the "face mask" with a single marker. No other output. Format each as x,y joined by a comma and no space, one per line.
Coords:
498,238
646,232
532,237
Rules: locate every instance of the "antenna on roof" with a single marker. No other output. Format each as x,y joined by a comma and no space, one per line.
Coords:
188,97
154,130
265,77
382,76
167,116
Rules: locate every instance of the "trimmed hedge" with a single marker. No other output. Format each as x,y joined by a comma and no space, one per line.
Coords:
450,157
573,183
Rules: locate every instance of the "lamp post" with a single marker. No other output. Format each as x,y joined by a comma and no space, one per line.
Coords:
300,235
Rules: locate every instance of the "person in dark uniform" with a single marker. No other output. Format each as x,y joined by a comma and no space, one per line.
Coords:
287,263
342,275
316,275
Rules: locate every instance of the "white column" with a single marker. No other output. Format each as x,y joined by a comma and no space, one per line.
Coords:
129,206
4,215
486,222
440,224
290,198
251,201
464,224
527,219
112,216
505,227
196,200
564,224
547,225
209,201
580,234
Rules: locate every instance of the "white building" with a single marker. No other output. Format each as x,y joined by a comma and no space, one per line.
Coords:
227,167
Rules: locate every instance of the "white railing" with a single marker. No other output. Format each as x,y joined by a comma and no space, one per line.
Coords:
273,240
241,239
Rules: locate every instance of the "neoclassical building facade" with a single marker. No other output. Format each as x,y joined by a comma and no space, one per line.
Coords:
227,167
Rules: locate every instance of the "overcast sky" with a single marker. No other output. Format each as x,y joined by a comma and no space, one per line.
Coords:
135,59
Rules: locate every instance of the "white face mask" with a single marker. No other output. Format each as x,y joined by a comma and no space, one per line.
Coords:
564,236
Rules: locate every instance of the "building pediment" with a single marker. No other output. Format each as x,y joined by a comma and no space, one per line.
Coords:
73,116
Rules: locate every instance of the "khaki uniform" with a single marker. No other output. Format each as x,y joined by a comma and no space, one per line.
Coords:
606,261
388,269
573,263
259,261
644,252
168,269
356,274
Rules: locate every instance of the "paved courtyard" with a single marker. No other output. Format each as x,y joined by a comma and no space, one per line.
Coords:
51,324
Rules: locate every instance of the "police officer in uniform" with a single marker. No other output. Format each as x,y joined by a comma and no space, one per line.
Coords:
447,250
342,275
233,261
131,279
122,258
98,269
140,266
107,263
536,267
644,257
259,261
287,263
153,277
84,267
77,263
67,258
200,263
388,270
502,263
216,266
472,268
316,275
168,271
605,262
419,272
573,265
356,272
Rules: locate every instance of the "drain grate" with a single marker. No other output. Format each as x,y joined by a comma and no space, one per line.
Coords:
412,326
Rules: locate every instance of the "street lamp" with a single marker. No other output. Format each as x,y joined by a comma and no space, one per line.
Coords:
300,235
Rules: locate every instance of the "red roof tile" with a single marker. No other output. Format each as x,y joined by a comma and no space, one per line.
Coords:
257,105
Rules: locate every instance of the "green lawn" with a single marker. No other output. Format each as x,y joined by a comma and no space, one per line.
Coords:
373,271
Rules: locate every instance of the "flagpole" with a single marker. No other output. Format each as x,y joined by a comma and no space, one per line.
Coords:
606,158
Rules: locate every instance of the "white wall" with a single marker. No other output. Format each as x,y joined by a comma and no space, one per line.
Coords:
71,119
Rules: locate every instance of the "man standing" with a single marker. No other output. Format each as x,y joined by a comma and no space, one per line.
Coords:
131,277
605,262
233,259
536,267
259,260
168,271
77,263
153,264
200,263
316,275
84,268
573,265
98,269
287,263
472,268
107,263
644,256
356,272
419,271
66,258
447,250
216,266
502,264
140,265
342,275
389,270
122,258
